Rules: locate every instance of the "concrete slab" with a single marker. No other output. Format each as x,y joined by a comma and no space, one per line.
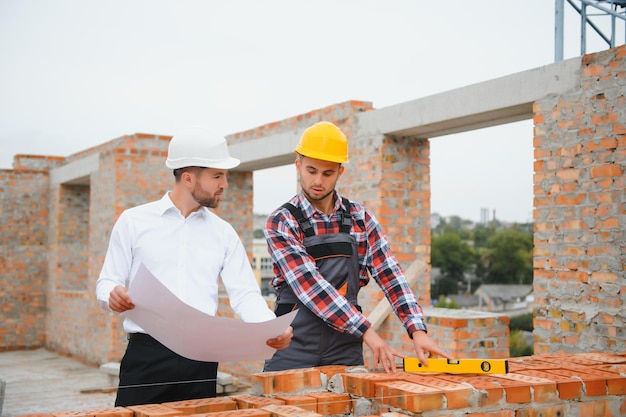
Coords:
39,381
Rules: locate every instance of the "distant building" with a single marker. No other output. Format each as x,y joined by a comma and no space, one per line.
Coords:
259,221
465,301
262,266
495,297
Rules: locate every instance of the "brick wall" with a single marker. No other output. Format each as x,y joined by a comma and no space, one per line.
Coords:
580,211
377,175
50,259
130,171
462,333
572,385
23,250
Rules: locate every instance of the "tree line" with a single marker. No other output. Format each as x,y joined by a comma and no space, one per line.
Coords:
467,254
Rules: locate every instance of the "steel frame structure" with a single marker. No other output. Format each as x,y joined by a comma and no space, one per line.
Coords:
615,9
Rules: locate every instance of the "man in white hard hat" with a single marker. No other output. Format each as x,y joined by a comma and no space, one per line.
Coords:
188,248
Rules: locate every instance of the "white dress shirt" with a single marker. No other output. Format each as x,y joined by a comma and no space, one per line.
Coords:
188,255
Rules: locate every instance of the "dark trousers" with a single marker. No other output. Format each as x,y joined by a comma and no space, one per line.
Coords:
315,343
150,373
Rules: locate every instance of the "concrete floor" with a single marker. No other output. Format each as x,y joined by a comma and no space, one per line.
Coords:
40,381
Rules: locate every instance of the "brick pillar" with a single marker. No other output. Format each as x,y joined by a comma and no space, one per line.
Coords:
68,265
391,176
131,171
236,208
237,204
23,250
580,216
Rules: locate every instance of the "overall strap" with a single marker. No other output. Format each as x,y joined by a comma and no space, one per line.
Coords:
307,227
346,217
305,224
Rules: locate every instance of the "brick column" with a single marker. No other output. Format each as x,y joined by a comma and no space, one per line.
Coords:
580,216
23,253
391,176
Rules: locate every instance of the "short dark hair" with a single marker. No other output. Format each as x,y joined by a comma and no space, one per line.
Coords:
178,172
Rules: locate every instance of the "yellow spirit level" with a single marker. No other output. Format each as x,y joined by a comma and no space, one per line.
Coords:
458,366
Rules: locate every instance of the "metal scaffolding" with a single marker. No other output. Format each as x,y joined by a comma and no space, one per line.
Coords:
614,10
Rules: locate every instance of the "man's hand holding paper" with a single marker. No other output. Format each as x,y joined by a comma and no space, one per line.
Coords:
196,335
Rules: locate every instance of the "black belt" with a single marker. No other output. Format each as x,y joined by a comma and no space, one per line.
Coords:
141,337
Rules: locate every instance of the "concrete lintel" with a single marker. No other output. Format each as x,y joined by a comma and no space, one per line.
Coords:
494,102
76,172
490,103
266,152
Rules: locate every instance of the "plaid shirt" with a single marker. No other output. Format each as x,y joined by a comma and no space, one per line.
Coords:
293,265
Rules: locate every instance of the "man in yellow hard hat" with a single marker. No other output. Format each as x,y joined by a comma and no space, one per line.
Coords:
188,248
323,246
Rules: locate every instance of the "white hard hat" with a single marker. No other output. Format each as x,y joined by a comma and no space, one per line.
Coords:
200,147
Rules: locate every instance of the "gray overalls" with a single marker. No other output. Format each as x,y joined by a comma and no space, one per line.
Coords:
314,342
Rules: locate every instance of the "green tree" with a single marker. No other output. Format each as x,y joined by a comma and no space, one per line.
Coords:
518,345
451,255
454,224
522,322
443,286
481,235
454,258
444,302
509,257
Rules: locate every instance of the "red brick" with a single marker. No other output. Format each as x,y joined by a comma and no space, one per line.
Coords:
457,395
289,411
490,393
303,401
364,384
331,370
252,401
409,396
203,405
288,381
35,415
110,412
395,414
545,411
567,387
248,412
153,410
330,403
542,389
592,409
592,385
501,413
601,357
71,413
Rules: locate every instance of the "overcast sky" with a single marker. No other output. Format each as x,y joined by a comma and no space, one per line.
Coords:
75,74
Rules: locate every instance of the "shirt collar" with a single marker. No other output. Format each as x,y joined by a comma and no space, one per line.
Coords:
308,210
166,204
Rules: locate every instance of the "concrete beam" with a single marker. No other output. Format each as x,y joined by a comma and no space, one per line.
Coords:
495,102
77,172
490,103
266,152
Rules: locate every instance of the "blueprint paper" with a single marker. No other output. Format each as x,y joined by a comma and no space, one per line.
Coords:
194,334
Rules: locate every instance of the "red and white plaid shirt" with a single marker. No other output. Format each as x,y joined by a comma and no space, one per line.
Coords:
293,265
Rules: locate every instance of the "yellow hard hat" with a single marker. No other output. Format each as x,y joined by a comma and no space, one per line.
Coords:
324,141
